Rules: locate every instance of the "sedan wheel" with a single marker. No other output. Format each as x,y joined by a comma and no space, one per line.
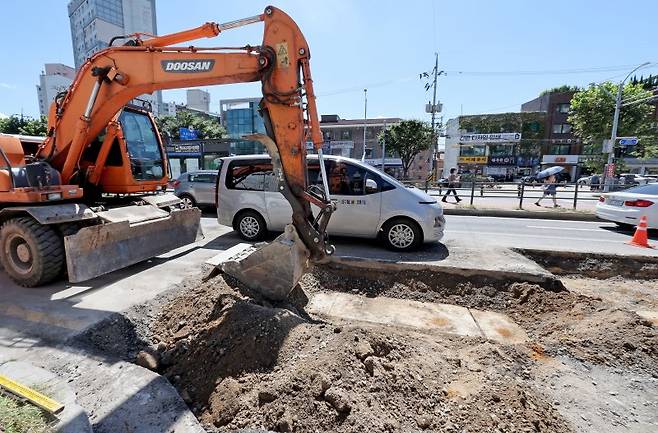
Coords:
186,202
401,234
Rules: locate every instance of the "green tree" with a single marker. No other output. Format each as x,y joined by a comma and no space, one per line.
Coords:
591,115
560,89
407,139
23,125
206,128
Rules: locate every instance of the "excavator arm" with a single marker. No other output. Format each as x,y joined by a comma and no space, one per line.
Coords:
116,75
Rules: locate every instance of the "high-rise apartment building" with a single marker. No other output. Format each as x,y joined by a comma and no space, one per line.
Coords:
95,22
55,78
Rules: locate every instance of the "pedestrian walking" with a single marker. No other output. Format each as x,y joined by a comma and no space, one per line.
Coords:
549,189
453,181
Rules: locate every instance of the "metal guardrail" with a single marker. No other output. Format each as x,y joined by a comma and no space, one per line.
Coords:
522,191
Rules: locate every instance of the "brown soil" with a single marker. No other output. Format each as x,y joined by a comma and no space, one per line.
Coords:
240,362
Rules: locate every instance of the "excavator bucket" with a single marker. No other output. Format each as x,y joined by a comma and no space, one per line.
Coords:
126,236
272,269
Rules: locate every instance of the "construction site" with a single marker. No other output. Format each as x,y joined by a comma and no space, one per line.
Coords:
125,308
543,343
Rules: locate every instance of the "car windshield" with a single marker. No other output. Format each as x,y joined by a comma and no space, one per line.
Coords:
651,189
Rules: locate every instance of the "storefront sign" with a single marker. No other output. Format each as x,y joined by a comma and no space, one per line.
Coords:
490,138
502,160
472,160
560,159
179,149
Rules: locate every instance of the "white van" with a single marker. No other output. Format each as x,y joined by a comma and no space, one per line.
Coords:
369,203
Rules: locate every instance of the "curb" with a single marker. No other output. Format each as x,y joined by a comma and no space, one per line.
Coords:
504,213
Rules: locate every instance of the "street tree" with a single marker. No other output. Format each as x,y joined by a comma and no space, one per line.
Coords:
591,114
205,128
23,125
406,140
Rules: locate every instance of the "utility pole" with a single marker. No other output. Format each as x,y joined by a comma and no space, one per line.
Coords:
607,180
365,122
384,146
435,141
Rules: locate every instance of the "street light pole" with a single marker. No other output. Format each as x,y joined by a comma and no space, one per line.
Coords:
365,122
607,180
384,147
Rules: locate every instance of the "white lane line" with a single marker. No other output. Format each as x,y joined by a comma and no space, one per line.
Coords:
503,234
538,220
563,228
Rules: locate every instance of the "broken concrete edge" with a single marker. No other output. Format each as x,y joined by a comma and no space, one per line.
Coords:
636,266
509,213
544,279
73,418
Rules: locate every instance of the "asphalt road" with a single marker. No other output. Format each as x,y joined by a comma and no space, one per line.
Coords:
597,237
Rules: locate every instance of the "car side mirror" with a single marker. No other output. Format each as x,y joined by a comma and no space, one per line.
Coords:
371,186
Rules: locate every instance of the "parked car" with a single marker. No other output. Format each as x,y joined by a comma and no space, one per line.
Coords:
196,188
626,207
633,179
370,204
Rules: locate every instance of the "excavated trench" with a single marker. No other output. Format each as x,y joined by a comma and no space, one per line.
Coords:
241,362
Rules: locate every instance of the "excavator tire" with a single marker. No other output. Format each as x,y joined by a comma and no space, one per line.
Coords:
32,254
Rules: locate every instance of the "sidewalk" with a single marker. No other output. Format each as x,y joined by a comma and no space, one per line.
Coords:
508,207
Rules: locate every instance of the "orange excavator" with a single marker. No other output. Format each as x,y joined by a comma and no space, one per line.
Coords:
85,199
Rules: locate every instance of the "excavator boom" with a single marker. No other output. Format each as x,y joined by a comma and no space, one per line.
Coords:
114,76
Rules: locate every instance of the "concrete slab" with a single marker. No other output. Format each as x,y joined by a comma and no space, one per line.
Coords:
73,419
429,316
450,319
499,327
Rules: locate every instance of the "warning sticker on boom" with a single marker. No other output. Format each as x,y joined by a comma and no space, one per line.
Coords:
282,58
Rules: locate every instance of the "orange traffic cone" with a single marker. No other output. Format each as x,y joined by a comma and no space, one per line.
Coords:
640,236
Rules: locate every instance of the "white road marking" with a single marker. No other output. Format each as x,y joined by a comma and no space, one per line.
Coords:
563,228
525,235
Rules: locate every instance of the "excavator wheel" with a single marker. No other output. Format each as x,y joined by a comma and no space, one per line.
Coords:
32,254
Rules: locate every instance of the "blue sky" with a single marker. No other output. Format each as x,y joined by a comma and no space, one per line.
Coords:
497,54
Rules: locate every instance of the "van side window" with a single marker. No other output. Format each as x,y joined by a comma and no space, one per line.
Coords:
345,178
248,175
203,177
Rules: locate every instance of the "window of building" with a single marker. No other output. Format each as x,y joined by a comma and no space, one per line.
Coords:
472,150
561,128
501,150
346,134
561,149
562,108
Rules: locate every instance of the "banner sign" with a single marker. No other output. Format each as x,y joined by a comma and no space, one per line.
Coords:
490,138
472,160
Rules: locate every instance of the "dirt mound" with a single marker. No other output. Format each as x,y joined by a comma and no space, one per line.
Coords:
240,364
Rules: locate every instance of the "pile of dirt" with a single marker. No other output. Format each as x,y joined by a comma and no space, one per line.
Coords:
239,361
240,364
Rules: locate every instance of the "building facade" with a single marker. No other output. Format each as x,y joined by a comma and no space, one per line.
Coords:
503,146
95,22
241,117
560,146
198,99
54,78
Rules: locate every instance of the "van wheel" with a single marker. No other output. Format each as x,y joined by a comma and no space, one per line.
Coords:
187,202
32,254
250,226
401,234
